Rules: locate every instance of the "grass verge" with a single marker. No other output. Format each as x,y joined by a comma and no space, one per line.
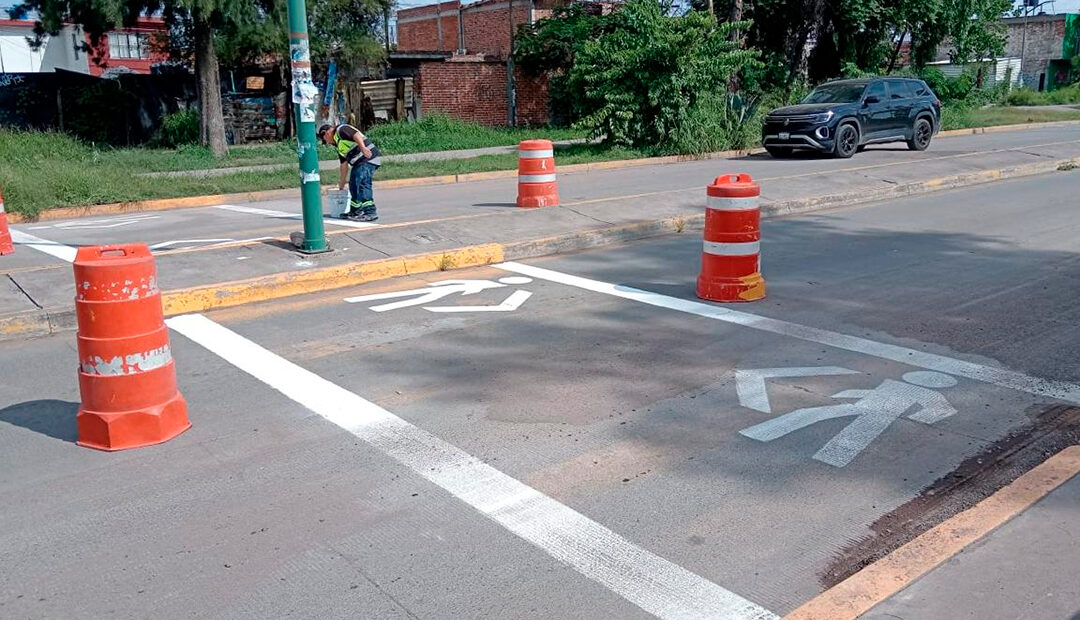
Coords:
960,117
34,180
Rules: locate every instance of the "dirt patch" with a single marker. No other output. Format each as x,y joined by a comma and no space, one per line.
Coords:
1048,431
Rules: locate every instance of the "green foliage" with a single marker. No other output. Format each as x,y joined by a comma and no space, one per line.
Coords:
717,122
1061,96
639,81
346,31
437,132
180,128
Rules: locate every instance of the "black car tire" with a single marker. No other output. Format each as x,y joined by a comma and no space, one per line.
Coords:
779,152
920,135
847,141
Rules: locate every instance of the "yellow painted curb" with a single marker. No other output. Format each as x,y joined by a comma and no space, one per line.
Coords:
276,286
877,582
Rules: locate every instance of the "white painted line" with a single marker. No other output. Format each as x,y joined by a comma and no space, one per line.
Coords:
166,244
511,303
647,580
722,203
750,382
719,248
293,216
536,178
52,248
1060,390
523,154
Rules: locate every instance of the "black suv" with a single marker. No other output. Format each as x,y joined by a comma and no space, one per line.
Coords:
844,116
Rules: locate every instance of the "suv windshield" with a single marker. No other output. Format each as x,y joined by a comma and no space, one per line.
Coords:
836,93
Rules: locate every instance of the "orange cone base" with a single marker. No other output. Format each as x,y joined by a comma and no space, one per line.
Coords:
747,288
533,202
133,429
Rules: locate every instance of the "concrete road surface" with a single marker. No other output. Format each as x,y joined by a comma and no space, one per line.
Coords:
577,437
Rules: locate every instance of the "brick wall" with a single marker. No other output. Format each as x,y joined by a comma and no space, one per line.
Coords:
1045,35
486,26
475,90
418,28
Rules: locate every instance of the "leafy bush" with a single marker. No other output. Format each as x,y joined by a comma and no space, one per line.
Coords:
1061,96
180,128
717,122
642,81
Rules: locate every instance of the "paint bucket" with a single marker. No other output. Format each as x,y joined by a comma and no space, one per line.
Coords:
339,201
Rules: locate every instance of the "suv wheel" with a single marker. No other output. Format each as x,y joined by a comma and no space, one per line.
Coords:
779,151
920,135
847,141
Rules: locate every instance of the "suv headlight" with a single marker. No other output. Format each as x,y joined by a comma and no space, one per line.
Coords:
824,117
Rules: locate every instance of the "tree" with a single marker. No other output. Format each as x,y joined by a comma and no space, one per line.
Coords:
642,77
345,31
200,17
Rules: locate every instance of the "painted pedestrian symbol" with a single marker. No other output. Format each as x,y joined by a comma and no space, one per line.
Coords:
445,288
874,411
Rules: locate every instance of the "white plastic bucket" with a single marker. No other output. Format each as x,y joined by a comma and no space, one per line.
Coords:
339,201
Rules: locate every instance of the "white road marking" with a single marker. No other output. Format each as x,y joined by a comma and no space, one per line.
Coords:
1060,390
167,245
654,584
294,216
750,383
52,248
511,303
111,222
875,410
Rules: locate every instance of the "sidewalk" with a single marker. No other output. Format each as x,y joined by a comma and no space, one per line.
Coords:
1027,569
239,253
332,165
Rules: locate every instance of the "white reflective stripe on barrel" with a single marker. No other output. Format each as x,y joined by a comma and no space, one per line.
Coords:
536,178
718,203
717,248
536,154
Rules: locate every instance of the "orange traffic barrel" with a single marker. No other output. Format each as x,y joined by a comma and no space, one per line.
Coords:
127,378
537,185
6,247
731,256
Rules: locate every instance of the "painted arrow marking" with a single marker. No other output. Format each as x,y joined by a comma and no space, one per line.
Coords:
511,303
750,384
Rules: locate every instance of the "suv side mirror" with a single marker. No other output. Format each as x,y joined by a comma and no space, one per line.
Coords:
871,100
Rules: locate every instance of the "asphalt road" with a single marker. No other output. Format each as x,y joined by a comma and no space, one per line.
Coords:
598,448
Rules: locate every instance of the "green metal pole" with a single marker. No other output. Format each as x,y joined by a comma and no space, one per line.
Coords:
304,96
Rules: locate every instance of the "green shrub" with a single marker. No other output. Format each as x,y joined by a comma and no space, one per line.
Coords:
180,128
717,122
1061,96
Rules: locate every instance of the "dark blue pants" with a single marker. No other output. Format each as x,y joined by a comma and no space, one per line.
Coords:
361,195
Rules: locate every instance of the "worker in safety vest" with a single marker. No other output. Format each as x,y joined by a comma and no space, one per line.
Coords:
357,151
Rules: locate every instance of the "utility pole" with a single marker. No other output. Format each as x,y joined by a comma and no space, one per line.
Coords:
304,94
386,28
511,92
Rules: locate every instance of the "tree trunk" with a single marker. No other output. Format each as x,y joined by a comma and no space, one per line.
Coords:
896,51
211,120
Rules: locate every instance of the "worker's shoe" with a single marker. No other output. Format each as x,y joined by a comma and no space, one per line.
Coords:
367,217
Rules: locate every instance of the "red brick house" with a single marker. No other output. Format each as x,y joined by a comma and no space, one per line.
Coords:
127,49
457,54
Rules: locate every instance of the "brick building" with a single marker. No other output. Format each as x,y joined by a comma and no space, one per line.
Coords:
457,55
124,50
1045,44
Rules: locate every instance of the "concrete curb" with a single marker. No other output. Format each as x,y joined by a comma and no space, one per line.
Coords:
167,204
289,284
210,200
